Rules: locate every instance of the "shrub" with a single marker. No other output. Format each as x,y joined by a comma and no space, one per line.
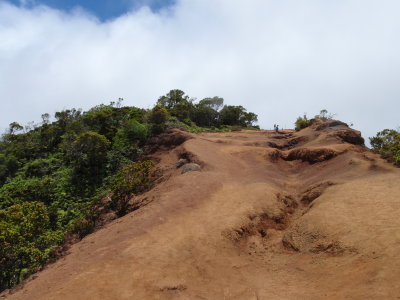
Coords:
132,131
132,180
302,122
158,116
387,144
25,241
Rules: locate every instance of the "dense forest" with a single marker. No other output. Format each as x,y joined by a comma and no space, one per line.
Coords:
56,175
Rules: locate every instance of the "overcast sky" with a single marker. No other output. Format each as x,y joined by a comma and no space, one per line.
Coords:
279,58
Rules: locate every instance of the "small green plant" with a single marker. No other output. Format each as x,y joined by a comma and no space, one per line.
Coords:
132,180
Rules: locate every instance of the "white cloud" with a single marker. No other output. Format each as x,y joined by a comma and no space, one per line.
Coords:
277,58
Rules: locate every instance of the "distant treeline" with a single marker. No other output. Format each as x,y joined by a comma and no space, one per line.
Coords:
57,177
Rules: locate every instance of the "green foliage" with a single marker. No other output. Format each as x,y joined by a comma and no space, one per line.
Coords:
15,127
131,132
88,156
302,122
205,115
215,103
132,180
178,104
25,241
22,189
172,99
237,115
54,176
158,116
8,167
387,144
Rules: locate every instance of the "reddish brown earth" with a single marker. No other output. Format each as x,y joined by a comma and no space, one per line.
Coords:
307,215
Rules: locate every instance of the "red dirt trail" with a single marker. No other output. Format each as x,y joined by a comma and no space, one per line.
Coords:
290,215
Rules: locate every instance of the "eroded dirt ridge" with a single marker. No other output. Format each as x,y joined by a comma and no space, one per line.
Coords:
256,215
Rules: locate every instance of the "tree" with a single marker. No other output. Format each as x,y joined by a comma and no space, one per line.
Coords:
131,132
204,115
25,241
45,119
248,119
387,144
215,102
14,127
88,156
158,116
237,115
66,117
172,99
177,103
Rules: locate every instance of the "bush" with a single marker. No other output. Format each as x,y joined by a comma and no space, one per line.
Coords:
25,241
387,144
133,180
302,122
158,116
131,132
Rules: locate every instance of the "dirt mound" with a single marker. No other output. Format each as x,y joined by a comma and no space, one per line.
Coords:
319,124
295,215
288,143
349,136
314,191
166,141
310,155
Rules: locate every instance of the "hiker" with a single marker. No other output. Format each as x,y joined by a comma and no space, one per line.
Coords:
274,127
277,128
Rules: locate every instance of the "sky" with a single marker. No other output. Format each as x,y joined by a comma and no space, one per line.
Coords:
104,10
279,59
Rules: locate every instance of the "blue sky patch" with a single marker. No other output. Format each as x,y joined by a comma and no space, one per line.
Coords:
103,9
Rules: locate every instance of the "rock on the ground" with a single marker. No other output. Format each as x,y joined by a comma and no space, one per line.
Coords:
181,162
190,167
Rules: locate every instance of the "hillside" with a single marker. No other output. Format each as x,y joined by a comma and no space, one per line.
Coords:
292,215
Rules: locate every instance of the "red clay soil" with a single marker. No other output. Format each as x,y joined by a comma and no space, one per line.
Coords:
306,215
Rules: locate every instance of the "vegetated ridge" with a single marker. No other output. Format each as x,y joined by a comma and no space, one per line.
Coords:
61,180
311,214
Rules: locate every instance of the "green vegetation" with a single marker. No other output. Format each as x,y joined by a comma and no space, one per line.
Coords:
57,177
132,180
304,122
387,144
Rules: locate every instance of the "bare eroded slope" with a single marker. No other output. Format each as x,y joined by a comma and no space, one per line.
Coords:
307,215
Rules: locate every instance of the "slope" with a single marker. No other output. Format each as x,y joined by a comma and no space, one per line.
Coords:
294,215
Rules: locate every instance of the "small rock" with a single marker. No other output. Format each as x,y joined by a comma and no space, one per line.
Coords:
181,162
190,167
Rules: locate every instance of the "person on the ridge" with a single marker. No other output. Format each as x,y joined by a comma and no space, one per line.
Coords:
277,128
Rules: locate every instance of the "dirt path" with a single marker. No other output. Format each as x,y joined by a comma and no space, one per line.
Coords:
308,215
